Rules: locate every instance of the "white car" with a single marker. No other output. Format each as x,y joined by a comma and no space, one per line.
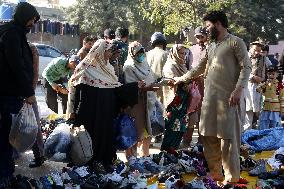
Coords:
46,55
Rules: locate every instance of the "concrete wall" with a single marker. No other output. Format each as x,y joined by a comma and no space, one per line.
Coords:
62,42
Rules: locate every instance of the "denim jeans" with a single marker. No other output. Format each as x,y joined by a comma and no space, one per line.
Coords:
8,106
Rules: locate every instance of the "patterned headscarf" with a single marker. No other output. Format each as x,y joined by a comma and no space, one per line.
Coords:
175,65
141,70
174,55
134,48
94,70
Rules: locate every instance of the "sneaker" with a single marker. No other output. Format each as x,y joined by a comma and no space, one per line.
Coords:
263,184
141,182
280,158
120,168
163,176
197,184
247,164
170,182
152,167
135,165
37,162
82,171
260,168
187,163
57,178
198,148
114,177
171,157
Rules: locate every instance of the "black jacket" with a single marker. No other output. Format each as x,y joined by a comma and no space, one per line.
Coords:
16,64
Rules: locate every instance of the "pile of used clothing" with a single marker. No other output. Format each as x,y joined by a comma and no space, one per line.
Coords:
264,140
48,125
163,170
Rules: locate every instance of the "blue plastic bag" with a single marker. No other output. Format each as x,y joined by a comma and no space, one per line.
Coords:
126,133
261,140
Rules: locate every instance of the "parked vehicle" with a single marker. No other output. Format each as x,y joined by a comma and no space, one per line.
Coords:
46,55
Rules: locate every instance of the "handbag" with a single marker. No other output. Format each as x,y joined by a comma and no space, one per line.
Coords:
194,98
81,146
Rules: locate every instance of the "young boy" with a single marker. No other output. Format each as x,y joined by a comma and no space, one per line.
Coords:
273,92
87,45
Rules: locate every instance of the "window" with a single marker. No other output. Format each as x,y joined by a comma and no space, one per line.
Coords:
41,50
53,53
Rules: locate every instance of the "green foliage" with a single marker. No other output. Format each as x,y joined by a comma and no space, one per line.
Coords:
248,19
95,15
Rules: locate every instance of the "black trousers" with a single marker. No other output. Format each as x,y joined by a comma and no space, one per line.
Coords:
51,97
8,105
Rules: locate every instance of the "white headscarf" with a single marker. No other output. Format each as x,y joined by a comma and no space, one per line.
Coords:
134,70
94,70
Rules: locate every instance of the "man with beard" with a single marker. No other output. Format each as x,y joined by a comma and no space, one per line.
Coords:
16,80
227,72
87,45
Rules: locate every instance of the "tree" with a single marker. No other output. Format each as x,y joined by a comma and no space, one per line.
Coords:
248,19
96,16
252,19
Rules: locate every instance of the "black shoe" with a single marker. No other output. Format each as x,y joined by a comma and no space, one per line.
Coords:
37,162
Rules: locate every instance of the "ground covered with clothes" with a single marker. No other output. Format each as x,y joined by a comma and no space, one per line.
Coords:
185,169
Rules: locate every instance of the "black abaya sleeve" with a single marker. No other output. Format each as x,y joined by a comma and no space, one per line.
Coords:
127,95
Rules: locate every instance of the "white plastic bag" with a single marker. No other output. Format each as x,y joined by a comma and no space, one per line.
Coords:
81,148
24,129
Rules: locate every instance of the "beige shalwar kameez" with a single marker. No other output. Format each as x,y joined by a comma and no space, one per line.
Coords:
227,67
156,59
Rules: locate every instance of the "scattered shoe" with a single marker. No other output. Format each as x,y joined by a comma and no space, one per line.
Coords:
247,164
37,162
56,177
260,168
120,168
197,184
170,182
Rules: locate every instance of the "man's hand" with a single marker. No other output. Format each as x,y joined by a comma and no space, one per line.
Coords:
55,87
141,84
235,96
257,79
62,90
177,80
31,99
